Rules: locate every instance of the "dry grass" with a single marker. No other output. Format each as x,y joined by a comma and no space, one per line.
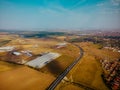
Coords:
69,50
29,79
61,37
24,78
6,37
60,64
88,71
4,66
69,87
37,46
57,66
93,50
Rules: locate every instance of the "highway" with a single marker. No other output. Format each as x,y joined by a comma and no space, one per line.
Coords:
66,71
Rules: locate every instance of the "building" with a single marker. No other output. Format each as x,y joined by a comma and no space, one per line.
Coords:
41,61
111,73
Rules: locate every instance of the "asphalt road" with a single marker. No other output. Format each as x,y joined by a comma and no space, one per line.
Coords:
66,71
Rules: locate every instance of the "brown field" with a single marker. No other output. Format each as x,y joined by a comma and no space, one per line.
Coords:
7,37
93,49
70,87
88,71
67,57
19,77
5,66
61,37
35,45
24,78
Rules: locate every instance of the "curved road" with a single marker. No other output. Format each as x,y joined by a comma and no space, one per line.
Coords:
66,71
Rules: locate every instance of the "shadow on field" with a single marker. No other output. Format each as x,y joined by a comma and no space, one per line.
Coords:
54,67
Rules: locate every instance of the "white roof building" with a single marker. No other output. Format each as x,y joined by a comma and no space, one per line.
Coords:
42,60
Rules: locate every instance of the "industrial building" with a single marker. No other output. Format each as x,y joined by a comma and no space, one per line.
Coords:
41,61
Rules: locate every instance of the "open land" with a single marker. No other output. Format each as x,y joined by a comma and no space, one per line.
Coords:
12,68
19,49
87,73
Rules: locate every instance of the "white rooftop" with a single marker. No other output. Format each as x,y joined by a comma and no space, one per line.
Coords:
41,61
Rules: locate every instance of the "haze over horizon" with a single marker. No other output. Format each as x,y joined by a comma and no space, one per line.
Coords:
62,14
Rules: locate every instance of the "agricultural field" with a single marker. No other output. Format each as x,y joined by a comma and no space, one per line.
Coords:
35,46
5,66
33,79
61,63
24,78
59,44
7,36
87,73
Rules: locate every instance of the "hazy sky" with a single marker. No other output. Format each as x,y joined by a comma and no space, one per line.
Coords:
64,14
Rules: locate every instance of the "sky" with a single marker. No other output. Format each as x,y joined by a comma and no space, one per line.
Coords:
60,14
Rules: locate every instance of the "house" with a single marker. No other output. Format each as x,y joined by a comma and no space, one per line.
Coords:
112,77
